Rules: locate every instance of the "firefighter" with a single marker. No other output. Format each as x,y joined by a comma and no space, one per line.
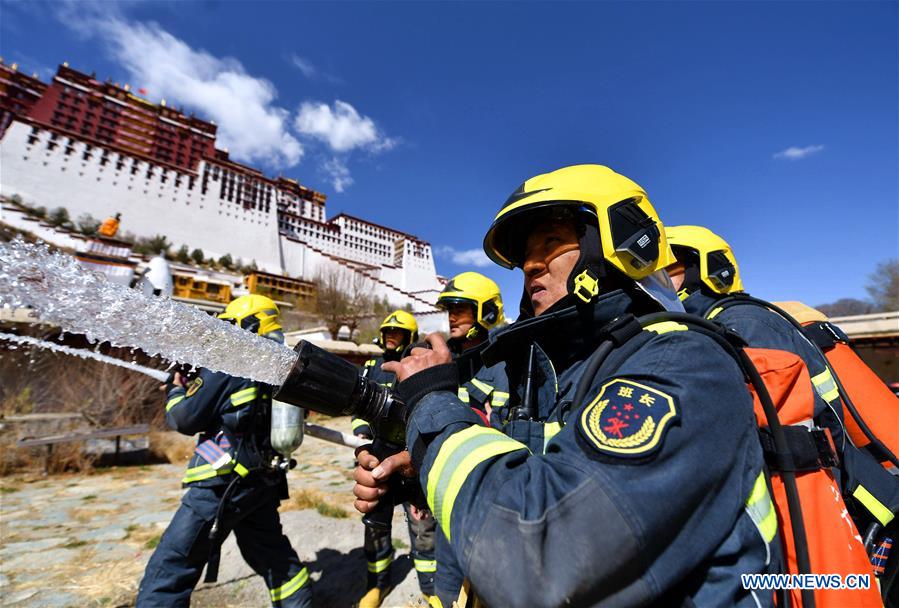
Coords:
710,285
230,483
474,307
652,492
397,332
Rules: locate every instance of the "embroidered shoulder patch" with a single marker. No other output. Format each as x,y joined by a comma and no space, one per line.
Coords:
194,386
627,418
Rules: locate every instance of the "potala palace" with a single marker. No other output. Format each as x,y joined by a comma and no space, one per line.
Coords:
98,148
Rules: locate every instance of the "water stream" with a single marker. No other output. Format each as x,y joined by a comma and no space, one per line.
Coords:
313,430
77,300
85,354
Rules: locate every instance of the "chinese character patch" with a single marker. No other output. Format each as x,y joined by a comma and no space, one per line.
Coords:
194,386
627,418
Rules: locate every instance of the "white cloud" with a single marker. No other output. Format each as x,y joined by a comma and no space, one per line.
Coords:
341,127
343,130
249,123
303,65
796,153
338,173
464,257
311,71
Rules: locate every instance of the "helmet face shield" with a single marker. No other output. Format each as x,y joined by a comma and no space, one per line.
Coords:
659,287
635,235
720,270
447,303
250,323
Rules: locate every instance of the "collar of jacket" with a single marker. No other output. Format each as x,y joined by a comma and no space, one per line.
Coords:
566,335
392,355
698,302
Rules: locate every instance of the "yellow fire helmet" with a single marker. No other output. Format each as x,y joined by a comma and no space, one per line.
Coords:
479,291
706,257
254,313
622,230
400,319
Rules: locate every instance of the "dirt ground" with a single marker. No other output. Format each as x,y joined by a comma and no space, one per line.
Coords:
84,540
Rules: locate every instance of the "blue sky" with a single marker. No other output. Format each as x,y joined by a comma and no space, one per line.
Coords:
774,124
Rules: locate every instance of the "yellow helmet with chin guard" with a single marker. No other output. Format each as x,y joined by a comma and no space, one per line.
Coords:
254,312
622,229
706,257
399,319
481,293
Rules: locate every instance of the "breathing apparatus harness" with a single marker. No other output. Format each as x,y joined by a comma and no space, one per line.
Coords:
617,334
844,395
815,335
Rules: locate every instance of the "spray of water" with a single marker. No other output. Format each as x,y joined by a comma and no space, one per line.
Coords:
313,430
85,354
77,300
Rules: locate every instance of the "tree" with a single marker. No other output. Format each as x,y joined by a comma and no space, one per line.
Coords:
88,224
883,286
59,217
341,299
183,255
846,307
157,245
380,307
226,262
197,256
299,316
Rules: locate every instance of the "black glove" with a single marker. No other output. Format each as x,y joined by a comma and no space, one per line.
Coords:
438,378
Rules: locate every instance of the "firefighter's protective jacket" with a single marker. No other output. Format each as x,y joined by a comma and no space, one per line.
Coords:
489,386
232,416
651,491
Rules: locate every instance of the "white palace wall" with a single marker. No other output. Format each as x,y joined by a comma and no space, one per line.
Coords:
163,203
53,170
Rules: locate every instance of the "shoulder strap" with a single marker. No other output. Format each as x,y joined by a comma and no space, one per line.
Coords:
719,305
616,334
825,334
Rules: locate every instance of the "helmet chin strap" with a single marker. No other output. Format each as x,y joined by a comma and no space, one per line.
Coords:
587,278
692,282
690,260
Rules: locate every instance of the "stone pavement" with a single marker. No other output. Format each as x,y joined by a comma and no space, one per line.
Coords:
84,540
